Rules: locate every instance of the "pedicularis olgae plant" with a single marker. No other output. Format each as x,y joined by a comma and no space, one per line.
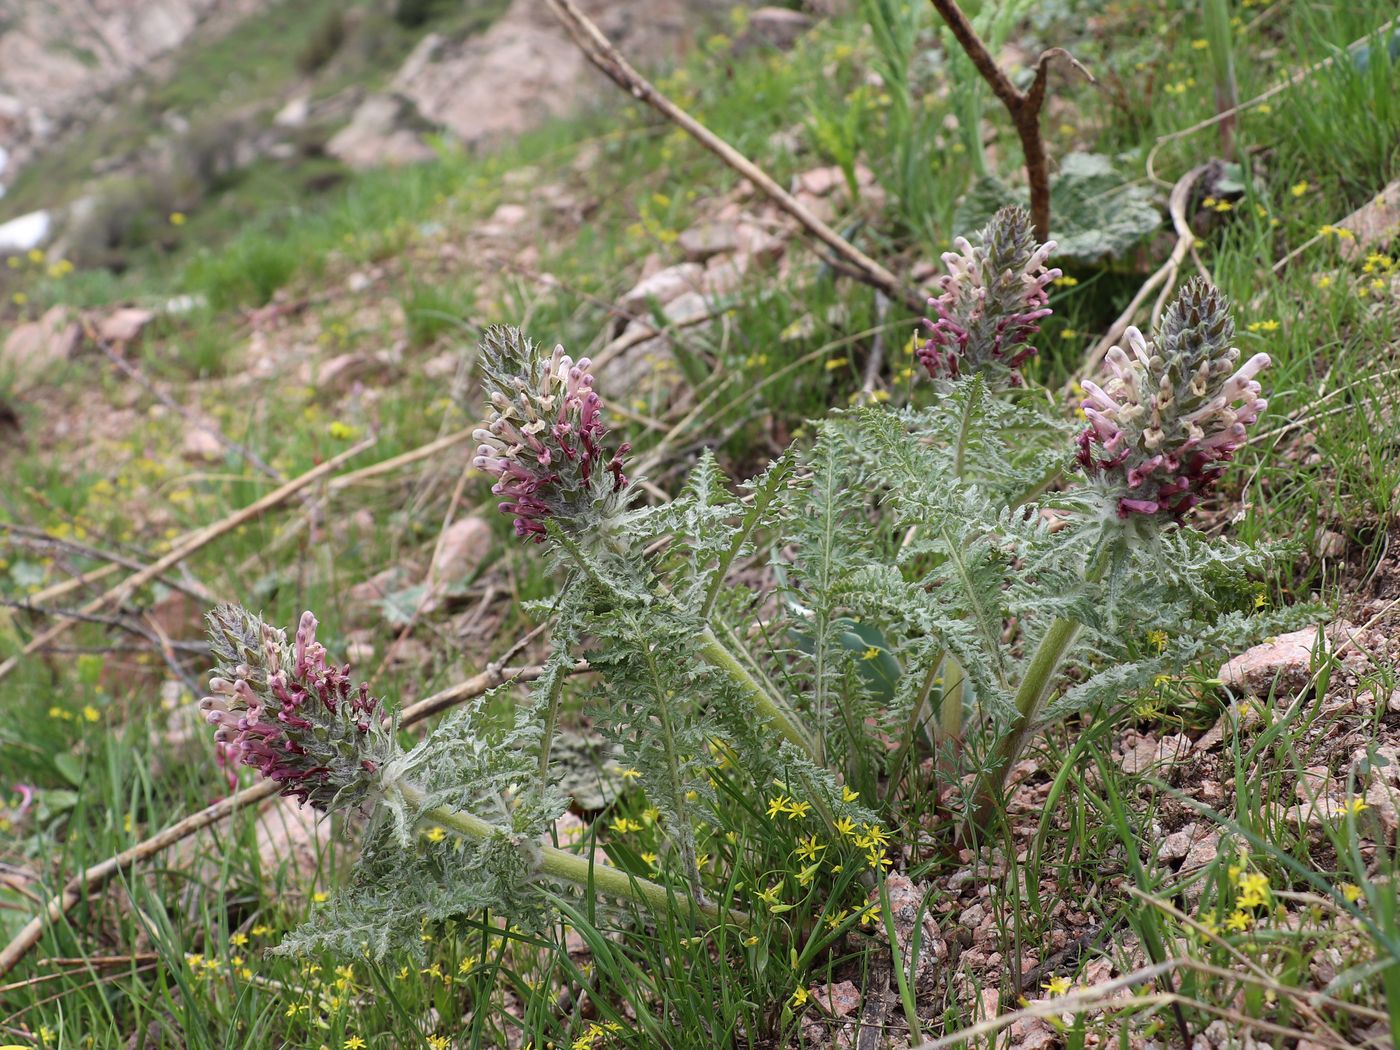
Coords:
939,580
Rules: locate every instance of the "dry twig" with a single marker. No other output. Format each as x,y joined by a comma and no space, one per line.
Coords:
192,543
599,50
1023,106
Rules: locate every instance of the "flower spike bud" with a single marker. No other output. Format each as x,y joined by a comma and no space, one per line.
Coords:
1173,411
544,441
292,715
994,298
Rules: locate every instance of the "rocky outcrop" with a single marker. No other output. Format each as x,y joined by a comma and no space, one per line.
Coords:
57,57
385,131
524,68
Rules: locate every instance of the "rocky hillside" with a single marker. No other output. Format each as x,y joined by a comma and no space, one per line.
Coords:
59,57
149,110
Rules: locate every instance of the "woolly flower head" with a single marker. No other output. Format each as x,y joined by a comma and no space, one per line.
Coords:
994,297
544,442
1173,411
292,715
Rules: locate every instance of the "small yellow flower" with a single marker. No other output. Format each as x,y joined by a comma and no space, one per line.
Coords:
1069,333
1158,640
1239,921
1299,188
770,895
238,940
438,1042
1200,44
1354,807
343,431
870,653
777,805
631,774
809,848
435,834
261,930
179,218
1065,281
319,897
1058,985
845,826
36,255
799,997
92,714
622,825
19,298
798,810
847,795
1351,891
837,362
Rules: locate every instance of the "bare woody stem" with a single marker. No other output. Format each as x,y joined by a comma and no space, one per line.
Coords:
599,50
1022,106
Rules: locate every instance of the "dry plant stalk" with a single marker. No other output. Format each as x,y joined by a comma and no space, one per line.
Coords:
600,51
78,887
1023,106
195,541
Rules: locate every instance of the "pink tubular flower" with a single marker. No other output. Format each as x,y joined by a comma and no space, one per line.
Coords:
290,713
1174,412
544,442
994,297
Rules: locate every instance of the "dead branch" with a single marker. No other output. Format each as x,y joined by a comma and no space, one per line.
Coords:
192,543
91,878
1023,106
600,51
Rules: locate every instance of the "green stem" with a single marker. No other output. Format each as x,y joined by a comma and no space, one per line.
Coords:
965,428
1039,677
916,711
683,834
551,719
581,871
906,993
769,707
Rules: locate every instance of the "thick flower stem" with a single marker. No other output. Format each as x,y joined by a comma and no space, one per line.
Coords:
1040,675
769,707
580,871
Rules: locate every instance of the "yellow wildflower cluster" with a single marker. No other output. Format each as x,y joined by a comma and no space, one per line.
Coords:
782,805
1339,232
1217,205
1378,263
594,1033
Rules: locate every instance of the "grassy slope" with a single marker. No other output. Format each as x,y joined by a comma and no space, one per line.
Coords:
110,779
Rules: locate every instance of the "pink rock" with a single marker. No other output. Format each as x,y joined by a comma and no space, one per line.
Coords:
839,1000
664,286
820,181
708,238
125,325
1285,660
34,349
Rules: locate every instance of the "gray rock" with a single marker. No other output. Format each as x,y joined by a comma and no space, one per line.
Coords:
385,131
